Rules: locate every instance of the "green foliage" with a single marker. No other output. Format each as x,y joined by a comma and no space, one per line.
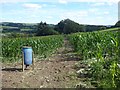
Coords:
90,28
68,26
92,44
43,29
42,46
117,24
103,49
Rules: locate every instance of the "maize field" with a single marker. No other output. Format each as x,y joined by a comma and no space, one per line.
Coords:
100,50
42,46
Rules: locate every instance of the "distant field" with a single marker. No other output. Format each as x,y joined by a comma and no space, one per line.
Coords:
111,29
26,29
7,27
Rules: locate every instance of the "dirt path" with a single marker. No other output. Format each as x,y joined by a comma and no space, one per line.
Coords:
55,72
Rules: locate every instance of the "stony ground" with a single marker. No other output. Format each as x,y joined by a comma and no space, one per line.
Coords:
56,71
64,69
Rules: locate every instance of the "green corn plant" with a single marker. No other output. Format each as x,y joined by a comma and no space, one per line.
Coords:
103,46
113,72
42,46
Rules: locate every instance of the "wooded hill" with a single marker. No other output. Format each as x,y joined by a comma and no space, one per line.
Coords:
66,26
117,24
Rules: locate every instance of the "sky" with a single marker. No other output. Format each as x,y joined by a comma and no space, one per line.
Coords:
93,12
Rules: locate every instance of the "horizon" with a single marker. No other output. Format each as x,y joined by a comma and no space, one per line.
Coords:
89,13
52,23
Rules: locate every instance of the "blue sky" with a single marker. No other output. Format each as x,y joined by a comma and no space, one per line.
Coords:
52,11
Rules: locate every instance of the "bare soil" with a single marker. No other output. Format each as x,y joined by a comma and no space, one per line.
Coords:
56,71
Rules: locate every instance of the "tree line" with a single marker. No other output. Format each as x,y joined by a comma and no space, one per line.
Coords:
66,26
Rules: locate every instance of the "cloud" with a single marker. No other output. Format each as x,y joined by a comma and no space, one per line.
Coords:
93,10
11,1
92,1
32,6
44,5
103,3
74,15
90,16
62,1
111,3
49,17
99,20
56,1
99,1
99,17
54,13
106,12
97,11
98,4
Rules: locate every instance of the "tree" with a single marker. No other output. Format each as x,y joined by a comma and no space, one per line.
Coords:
117,24
68,26
44,29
